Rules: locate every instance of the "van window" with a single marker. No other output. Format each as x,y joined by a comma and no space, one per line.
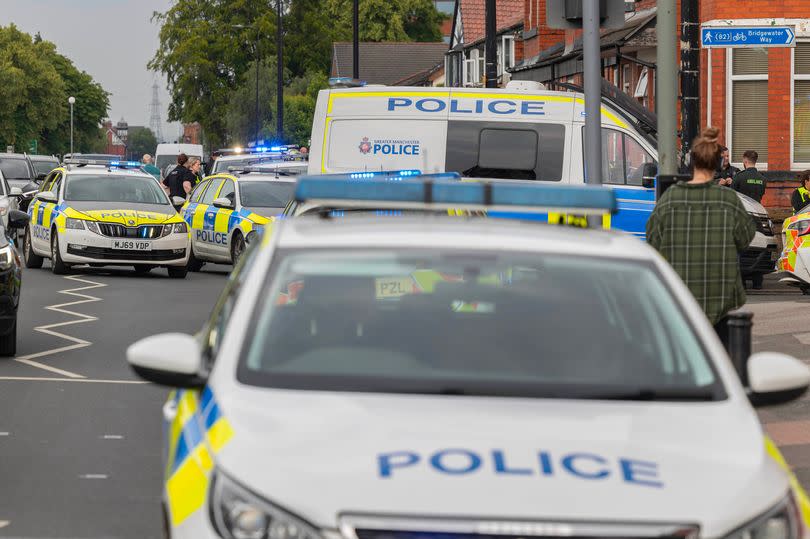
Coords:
623,158
506,150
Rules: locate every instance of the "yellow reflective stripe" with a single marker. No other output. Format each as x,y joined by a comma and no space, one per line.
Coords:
199,216
34,210
46,215
325,133
187,487
801,496
221,219
219,434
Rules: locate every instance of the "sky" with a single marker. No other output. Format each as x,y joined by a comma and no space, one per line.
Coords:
112,40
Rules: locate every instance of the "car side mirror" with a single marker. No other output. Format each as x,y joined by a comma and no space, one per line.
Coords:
46,196
648,174
17,219
168,359
15,192
775,378
178,201
223,202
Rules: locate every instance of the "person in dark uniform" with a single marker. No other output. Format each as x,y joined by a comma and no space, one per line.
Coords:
726,172
180,181
801,196
750,181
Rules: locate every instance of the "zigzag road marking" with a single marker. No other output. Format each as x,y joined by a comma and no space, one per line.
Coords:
81,318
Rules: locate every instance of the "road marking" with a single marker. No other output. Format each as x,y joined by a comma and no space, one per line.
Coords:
93,476
85,380
4,523
4,433
113,437
49,329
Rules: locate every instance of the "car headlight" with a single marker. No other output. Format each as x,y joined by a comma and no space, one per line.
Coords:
4,205
6,257
180,228
74,224
803,226
92,226
780,522
239,514
167,229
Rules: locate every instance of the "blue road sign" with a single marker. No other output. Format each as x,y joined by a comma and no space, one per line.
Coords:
748,36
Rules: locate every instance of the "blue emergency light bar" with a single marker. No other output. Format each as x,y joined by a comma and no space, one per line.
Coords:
104,162
420,191
125,164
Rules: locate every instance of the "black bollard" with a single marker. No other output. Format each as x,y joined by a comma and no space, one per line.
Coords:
739,341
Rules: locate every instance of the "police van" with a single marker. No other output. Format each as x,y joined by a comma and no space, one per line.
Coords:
520,132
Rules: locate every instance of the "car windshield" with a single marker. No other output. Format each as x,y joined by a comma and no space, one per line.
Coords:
222,165
266,193
469,323
15,168
44,167
129,189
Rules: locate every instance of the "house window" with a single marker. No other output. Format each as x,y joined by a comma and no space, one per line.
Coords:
749,103
473,68
626,79
801,104
641,93
506,53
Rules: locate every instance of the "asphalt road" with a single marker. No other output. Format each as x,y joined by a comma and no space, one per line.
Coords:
80,436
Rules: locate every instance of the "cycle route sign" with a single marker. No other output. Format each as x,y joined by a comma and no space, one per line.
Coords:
747,36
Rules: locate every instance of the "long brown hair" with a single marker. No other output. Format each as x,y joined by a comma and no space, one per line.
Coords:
706,150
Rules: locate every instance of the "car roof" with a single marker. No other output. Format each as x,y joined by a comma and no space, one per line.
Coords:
253,177
446,232
43,158
102,170
12,156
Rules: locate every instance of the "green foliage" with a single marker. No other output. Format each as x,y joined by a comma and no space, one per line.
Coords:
141,140
35,83
209,64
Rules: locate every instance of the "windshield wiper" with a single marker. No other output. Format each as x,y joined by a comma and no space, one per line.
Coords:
698,394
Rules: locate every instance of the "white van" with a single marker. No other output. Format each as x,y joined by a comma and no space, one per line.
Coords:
166,154
521,132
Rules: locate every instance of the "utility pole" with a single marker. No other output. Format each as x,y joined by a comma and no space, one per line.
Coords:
356,39
592,73
666,91
279,76
258,122
490,47
71,101
690,78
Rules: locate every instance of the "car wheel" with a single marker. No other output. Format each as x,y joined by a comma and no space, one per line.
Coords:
8,342
177,272
194,263
805,290
32,260
143,270
237,248
58,267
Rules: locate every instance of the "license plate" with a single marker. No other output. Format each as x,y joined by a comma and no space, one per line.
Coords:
393,287
130,245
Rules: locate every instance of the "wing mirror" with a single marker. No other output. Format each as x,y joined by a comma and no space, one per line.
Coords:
223,202
178,201
17,219
168,359
648,174
15,192
46,196
775,378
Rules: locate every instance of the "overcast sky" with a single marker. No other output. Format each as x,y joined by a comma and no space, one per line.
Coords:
110,39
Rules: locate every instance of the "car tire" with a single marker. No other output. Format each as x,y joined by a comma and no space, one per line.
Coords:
8,342
194,264
238,247
178,272
58,267
32,260
805,290
142,269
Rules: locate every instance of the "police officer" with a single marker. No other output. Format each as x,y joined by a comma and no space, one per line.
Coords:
180,180
750,181
801,196
726,172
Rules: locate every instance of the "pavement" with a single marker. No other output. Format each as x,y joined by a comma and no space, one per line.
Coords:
80,435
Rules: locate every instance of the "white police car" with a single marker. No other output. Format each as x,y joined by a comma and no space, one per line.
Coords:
433,377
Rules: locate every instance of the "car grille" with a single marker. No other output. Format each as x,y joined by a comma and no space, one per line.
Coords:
763,224
757,261
104,253
114,230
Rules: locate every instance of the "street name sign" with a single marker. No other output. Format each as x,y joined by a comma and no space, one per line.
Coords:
747,36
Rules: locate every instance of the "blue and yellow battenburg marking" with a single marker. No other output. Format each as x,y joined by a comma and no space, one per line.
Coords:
44,213
198,430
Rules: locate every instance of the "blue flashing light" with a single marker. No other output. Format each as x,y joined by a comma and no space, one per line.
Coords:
125,164
277,148
367,175
449,192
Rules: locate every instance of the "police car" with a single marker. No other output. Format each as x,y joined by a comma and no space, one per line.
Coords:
226,212
794,261
104,213
429,376
284,158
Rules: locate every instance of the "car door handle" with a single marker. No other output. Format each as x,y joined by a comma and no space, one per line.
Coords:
170,410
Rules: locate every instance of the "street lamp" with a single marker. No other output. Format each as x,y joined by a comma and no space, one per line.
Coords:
71,100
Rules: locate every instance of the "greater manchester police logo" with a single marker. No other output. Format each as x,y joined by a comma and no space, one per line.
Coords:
365,146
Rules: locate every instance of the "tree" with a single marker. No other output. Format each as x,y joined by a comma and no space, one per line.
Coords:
31,89
141,141
387,20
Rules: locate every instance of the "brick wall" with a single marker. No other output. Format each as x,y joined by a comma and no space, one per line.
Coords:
779,109
535,17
